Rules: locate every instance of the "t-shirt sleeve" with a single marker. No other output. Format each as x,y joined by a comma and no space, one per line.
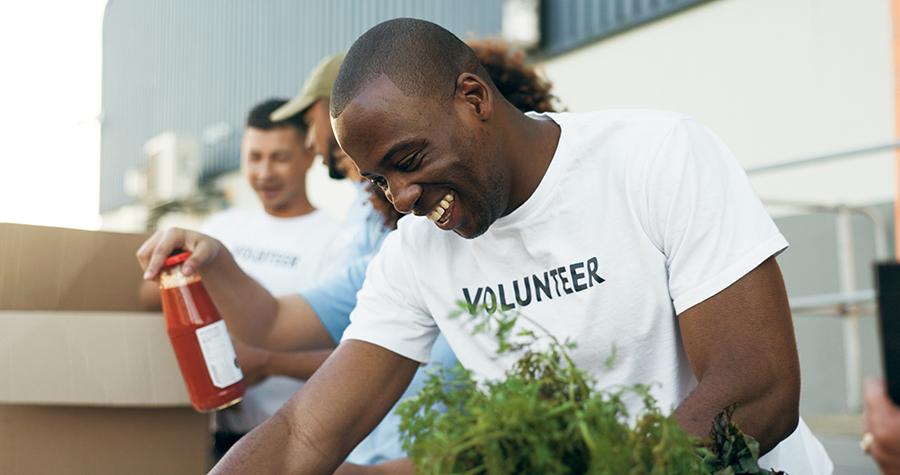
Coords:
704,216
389,310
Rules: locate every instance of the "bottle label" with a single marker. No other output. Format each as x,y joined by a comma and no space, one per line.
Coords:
218,352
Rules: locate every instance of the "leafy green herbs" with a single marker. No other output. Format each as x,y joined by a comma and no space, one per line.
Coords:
733,452
549,417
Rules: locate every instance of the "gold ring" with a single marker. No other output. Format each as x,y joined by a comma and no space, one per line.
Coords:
866,443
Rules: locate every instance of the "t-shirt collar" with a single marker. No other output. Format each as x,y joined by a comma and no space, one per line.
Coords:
548,182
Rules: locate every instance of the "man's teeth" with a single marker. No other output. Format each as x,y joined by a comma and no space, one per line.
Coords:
438,212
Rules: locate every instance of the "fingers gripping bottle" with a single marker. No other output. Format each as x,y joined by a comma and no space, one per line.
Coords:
200,339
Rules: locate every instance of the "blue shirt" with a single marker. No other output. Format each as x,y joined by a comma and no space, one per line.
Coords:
335,297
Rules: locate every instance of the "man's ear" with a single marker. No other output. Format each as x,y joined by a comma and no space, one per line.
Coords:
475,95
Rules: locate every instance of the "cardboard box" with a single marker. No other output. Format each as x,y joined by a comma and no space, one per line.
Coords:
89,385
43,268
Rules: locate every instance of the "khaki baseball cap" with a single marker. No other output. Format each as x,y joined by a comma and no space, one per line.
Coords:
317,86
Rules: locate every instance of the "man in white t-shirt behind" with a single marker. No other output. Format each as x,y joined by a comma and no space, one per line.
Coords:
634,232
283,244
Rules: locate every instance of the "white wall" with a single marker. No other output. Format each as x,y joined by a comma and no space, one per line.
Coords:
777,79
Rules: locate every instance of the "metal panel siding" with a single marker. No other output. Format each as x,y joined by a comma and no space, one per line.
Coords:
567,24
171,65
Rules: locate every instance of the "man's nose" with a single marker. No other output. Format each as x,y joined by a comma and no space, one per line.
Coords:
404,195
264,168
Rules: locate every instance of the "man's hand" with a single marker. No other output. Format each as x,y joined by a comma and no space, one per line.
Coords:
252,313
741,346
254,362
883,422
160,245
316,429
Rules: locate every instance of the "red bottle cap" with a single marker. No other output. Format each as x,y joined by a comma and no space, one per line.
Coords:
176,259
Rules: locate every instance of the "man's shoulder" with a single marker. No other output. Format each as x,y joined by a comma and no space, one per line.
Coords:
604,121
308,228
614,140
234,212
227,218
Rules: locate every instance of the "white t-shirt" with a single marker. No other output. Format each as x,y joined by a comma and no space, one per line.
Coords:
283,255
640,216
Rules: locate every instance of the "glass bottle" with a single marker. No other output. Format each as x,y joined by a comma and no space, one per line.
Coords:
200,339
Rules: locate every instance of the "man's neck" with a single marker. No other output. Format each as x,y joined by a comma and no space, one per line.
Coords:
529,146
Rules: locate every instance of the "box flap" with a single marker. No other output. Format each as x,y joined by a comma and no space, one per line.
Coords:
45,268
88,358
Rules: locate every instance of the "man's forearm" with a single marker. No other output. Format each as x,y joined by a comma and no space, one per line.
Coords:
260,451
247,307
296,364
769,416
742,350
282,444
316,429
255,316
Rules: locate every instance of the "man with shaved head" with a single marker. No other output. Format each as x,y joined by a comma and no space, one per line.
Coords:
628,231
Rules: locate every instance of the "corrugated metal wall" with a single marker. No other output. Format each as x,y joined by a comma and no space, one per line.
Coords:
567,24
197,66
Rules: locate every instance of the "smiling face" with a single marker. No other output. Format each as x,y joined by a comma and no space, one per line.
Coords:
275,163
435,158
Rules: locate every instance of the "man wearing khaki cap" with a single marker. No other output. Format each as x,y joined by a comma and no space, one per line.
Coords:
312,102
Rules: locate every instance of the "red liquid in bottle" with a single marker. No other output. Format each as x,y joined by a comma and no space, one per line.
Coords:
200,340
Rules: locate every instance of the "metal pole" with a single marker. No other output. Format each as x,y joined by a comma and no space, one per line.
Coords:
879,231
847,264
857,152
833,300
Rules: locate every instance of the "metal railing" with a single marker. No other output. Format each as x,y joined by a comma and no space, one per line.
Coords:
851,302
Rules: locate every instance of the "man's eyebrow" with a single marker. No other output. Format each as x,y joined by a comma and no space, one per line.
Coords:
397,148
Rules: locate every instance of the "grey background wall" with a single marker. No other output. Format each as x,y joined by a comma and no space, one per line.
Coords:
196,67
